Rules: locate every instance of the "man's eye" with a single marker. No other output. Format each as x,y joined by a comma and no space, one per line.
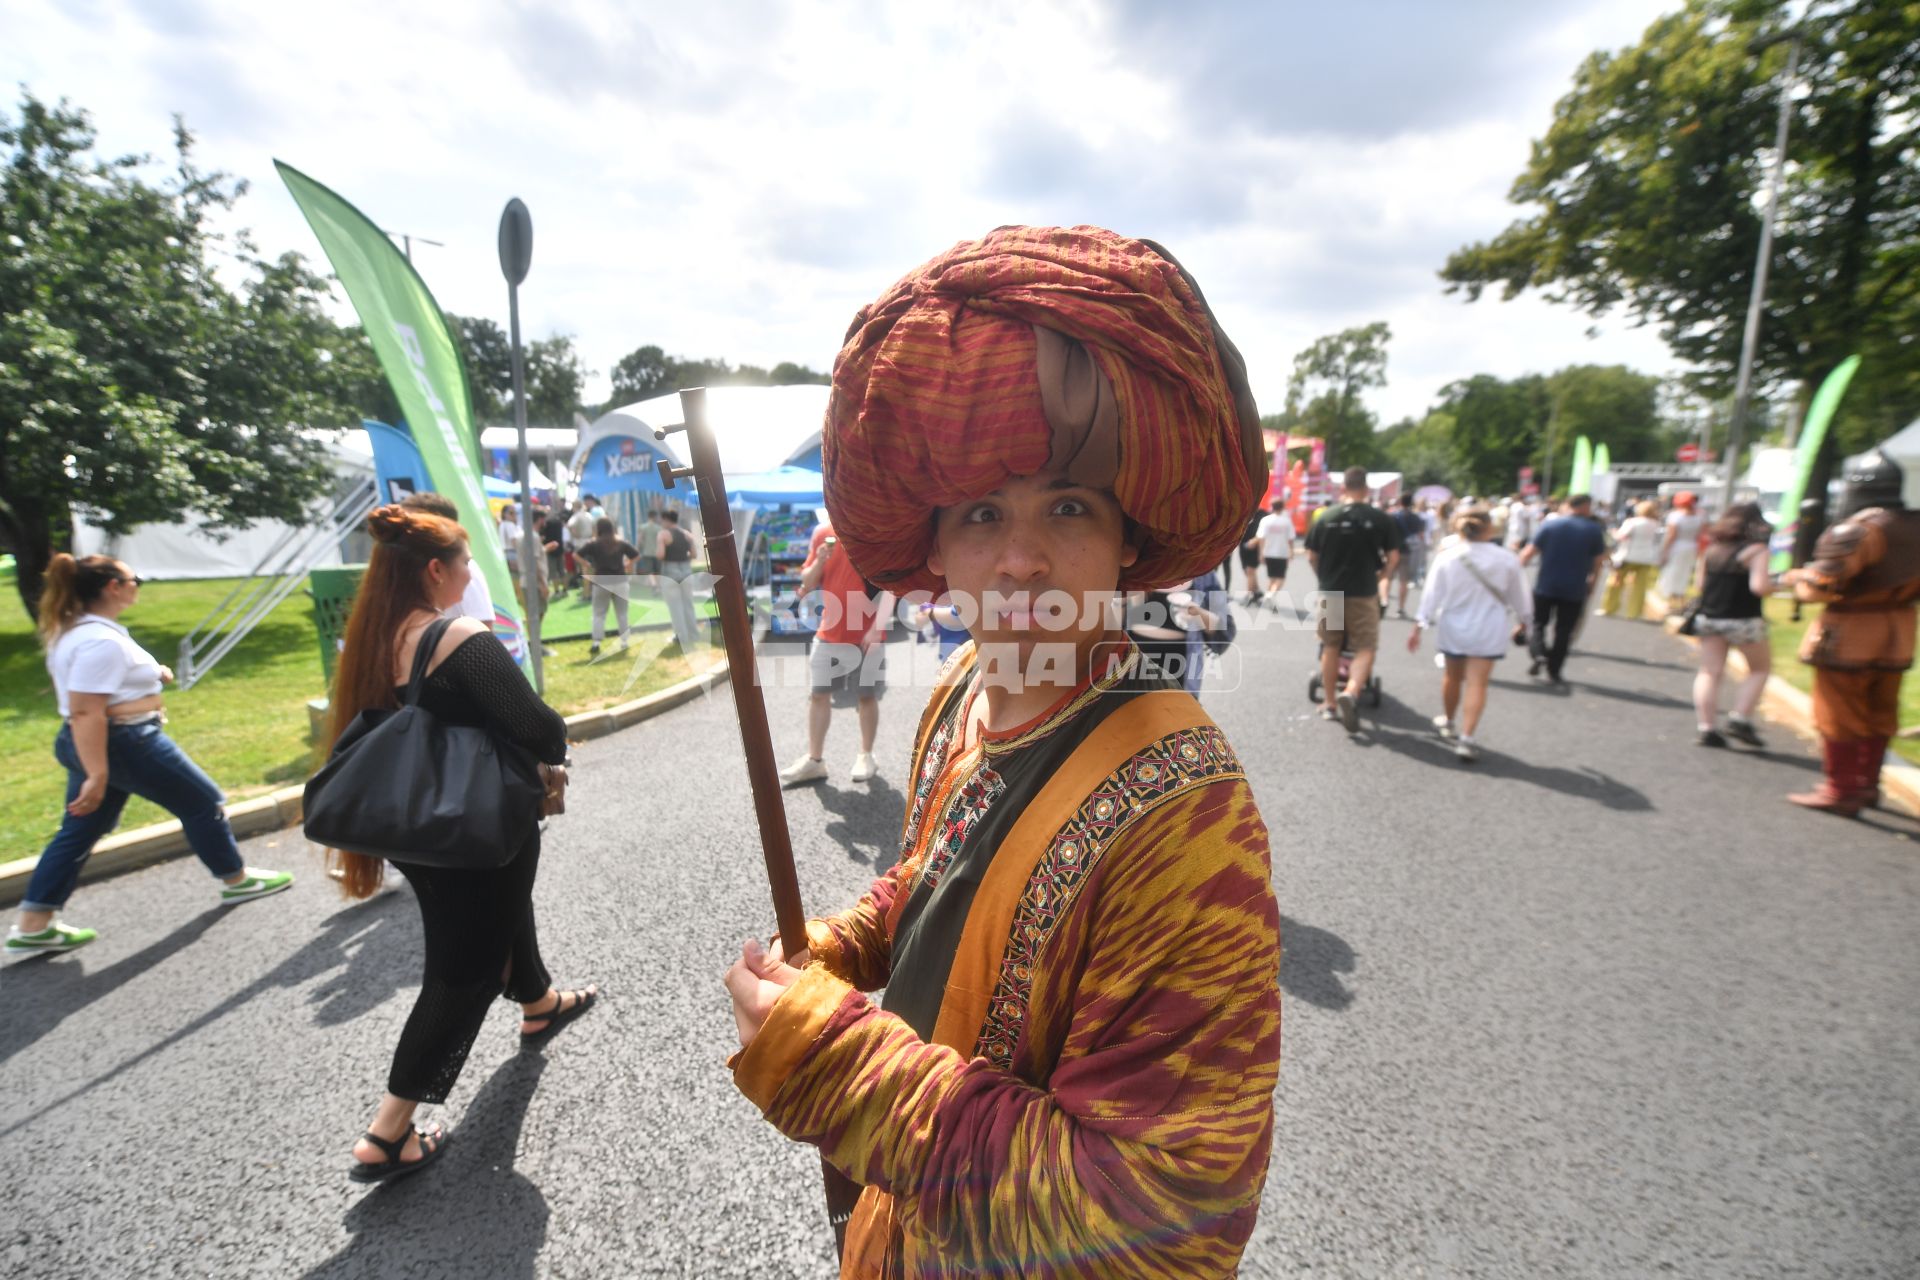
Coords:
1070,507
982,515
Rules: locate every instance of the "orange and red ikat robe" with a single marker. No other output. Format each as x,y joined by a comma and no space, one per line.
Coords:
1072,1071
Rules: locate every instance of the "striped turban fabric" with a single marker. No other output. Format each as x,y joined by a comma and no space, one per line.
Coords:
1041,347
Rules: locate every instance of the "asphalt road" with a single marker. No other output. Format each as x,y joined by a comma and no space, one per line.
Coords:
1599,1005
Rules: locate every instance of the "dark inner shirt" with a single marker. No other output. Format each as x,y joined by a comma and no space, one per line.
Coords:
1352,542
928,935
607,557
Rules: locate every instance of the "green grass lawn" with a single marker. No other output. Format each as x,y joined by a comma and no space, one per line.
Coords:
246,721
1784,635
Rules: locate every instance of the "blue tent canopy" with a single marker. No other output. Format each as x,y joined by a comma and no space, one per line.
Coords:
795,486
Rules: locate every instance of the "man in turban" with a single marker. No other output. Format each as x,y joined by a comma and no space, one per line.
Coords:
1071,1072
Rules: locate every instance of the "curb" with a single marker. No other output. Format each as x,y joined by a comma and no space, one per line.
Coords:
1788,706
129,850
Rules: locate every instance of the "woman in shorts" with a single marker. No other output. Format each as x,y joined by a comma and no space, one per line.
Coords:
1734,583
1471,589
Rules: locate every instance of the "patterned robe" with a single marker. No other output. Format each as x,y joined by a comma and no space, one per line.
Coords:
1086,1089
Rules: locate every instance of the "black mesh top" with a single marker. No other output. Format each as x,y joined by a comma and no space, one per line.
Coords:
478,684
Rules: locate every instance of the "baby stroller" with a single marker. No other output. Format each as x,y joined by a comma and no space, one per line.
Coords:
1316,690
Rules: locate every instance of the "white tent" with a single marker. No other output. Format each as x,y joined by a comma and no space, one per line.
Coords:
190,550
757,428
1904,448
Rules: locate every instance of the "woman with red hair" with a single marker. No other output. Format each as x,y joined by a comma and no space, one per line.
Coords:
478,924
1680,548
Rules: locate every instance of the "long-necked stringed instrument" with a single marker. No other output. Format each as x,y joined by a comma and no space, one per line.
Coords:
736,626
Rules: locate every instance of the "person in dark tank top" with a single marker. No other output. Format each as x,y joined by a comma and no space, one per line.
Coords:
1734,583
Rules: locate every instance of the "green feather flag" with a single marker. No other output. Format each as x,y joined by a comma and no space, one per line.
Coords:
418,354
1826,401
1582,481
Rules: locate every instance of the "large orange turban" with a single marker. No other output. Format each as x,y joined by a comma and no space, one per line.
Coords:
1037,347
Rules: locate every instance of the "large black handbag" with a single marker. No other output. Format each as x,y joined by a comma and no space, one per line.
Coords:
404,785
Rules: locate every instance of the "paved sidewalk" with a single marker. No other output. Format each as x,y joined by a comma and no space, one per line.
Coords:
1600,1005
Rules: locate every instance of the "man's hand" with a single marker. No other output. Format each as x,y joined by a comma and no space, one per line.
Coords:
756,982
1413,639
166,674
92,792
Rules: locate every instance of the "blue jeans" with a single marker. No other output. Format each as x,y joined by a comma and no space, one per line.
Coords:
141,761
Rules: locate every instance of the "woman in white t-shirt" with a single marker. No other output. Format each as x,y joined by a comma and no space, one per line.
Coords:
1636,559
1471,589
112,746
1680,550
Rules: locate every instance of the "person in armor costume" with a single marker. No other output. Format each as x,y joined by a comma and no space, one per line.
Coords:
1866,571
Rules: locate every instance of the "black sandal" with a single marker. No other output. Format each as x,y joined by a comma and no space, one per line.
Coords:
559,1016
431,1145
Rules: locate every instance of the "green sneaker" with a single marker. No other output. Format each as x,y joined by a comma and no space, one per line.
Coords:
52,940
258,884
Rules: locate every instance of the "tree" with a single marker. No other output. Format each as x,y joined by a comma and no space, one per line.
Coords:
1608,404
555,378
1324,392
649,371
131,381
1497,426
641,374
488,357
1648,190
1422,452
554,374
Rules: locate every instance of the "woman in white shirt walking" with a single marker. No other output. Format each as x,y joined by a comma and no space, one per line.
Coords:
1636,560
112,746
1471,589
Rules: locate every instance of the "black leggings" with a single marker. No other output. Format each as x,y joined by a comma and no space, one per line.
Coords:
480,942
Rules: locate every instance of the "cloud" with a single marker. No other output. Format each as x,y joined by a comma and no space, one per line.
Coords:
1365,69
736,180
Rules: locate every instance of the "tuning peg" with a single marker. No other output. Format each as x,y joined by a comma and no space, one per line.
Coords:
669,473
661,433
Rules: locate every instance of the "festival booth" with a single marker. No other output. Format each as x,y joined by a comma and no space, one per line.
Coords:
765,435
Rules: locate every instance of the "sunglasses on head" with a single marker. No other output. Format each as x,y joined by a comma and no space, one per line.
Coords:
136,580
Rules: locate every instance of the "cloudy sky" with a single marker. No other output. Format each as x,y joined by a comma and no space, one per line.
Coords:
735,179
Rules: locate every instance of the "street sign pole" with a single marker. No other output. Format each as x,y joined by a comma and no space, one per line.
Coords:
516,254
1756,301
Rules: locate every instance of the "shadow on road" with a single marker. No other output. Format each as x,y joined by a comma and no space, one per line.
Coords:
865,819
40,1000
1404,731
1626,660
1311,962
368,936
1639,697
474,1215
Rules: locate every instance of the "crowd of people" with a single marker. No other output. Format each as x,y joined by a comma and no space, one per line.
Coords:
1070,805
582,549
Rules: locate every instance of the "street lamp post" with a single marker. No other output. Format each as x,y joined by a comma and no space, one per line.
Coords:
1743,380
516,255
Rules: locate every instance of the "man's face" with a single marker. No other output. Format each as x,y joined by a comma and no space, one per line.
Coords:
1028,558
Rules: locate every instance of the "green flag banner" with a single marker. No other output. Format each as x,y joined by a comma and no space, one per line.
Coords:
1582,479
422,363
1813,432
1602,459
